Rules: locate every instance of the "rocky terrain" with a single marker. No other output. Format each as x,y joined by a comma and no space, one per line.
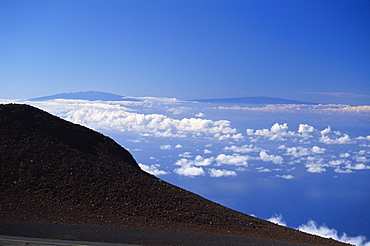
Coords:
57,172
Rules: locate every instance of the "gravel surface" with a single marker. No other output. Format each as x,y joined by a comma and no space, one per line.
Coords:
126,236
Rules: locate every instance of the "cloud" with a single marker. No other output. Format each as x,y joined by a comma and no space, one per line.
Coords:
198,161
273,158
360,158
178,110
339,170
133,140
364,138
359,166
152,169
318,150
285,176
263,170
304,108
301,151
216,173
165,147
297,151
344,155
338,162
201,161
315,164
243,149
158,100
305,130
190,171
200,115
113,116
301,146
329,137
280,132
235,159
324,231
192,168
276,132
185,155
277,219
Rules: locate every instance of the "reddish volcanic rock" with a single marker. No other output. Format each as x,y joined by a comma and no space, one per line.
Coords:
54,171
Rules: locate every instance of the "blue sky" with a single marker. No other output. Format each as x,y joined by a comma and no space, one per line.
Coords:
240,156
313,50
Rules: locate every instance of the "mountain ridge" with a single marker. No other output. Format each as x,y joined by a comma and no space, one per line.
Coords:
54,171
86,95
104,96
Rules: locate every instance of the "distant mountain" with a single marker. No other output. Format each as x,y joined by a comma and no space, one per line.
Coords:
253,100
87,95
53,171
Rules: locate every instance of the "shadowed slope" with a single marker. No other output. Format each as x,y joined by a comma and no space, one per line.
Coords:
54,171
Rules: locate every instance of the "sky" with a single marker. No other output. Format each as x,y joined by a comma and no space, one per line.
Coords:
304,166
310,50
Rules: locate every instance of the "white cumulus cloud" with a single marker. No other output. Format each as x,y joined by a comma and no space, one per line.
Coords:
198,161
277,219
334,137
302,151
207,151
315,164
190,171
359,166
273,158
216,173
285,176
200,115
113,116
165,147
152,169
305,130
243,149
324,231
276,132
235,159
263,170
185,155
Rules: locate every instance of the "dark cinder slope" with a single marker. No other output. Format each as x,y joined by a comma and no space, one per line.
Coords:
54,171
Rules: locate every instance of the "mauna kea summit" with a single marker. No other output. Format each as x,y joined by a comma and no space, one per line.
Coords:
57,172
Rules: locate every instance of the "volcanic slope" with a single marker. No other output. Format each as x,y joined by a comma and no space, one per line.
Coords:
54,171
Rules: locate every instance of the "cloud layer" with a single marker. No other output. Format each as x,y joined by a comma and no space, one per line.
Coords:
303,108
324,231
279,145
